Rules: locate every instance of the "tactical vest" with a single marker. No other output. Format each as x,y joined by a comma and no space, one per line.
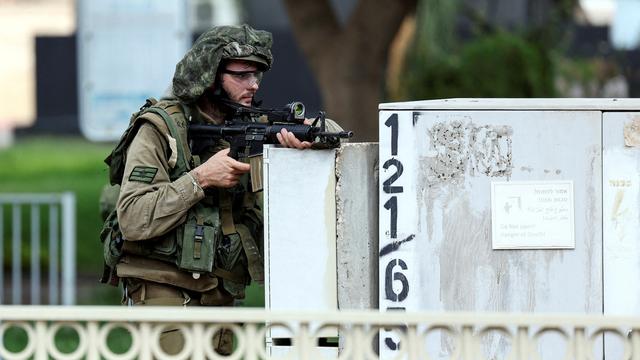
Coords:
208,241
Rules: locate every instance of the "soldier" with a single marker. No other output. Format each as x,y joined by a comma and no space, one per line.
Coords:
173,202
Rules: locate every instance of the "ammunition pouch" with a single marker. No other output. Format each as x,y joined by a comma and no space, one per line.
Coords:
198,238
191,246
113,244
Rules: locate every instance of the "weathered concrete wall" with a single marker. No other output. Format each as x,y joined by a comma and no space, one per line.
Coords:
621,218
432,211
357,225
320,219
321,216
437,169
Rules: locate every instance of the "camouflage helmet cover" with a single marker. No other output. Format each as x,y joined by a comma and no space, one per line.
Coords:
197,69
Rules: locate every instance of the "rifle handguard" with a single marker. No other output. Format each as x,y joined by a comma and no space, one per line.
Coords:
246,137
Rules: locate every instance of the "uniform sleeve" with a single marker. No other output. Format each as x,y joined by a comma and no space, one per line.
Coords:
150,204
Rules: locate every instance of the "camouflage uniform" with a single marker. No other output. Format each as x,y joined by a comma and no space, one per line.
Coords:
151,206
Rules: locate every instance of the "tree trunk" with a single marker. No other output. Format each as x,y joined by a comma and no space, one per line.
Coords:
349,61
351,97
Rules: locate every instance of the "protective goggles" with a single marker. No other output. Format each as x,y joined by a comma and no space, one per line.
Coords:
245,77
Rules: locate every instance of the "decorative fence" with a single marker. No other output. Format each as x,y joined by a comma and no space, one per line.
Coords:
582,335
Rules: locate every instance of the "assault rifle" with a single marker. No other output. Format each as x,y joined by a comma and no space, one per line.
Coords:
246,137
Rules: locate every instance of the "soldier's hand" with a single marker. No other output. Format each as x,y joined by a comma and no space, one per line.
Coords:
289,140
220,170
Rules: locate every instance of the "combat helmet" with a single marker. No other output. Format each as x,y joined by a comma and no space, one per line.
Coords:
197,69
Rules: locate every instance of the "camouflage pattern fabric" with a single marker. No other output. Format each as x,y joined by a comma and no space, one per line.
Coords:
197,70
108,200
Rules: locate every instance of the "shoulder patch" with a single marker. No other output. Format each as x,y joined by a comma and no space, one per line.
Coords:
144,174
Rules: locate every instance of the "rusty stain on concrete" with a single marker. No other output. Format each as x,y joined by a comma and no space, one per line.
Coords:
632,132
615,211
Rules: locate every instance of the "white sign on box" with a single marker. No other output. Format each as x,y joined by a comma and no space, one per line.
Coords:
532,215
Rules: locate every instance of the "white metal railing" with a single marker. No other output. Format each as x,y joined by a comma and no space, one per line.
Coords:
60,220
581,334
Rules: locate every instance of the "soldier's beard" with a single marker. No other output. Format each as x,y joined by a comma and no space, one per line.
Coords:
219,98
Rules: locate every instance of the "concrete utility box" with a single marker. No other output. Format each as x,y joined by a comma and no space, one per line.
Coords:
300,237
501,204
321,231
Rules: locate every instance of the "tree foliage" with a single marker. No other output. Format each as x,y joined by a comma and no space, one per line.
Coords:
461,50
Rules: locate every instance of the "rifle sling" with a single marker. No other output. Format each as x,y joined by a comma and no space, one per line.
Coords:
228,275
226,213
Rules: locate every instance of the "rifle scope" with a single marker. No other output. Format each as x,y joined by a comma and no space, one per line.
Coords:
296,109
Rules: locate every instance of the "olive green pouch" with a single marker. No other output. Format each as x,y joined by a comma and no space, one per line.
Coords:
112,248
198,239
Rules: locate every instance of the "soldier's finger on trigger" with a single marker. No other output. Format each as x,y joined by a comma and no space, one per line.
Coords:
240,167
231,165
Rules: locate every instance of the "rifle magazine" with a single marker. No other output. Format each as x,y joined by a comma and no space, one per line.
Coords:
256,172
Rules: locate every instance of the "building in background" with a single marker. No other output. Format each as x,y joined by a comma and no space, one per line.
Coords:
20,22
40,38
126,53
625,26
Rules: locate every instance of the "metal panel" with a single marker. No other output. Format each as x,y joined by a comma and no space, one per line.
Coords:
621,217
127,51
300,230
53,254
35,254
68,204
16,255
435,213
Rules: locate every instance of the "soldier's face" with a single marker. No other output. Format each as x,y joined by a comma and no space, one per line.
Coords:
241,79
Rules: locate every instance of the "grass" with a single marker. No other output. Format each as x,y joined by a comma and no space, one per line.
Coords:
58,164
43,165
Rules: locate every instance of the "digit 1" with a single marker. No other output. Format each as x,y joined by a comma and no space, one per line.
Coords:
392,122
392,204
